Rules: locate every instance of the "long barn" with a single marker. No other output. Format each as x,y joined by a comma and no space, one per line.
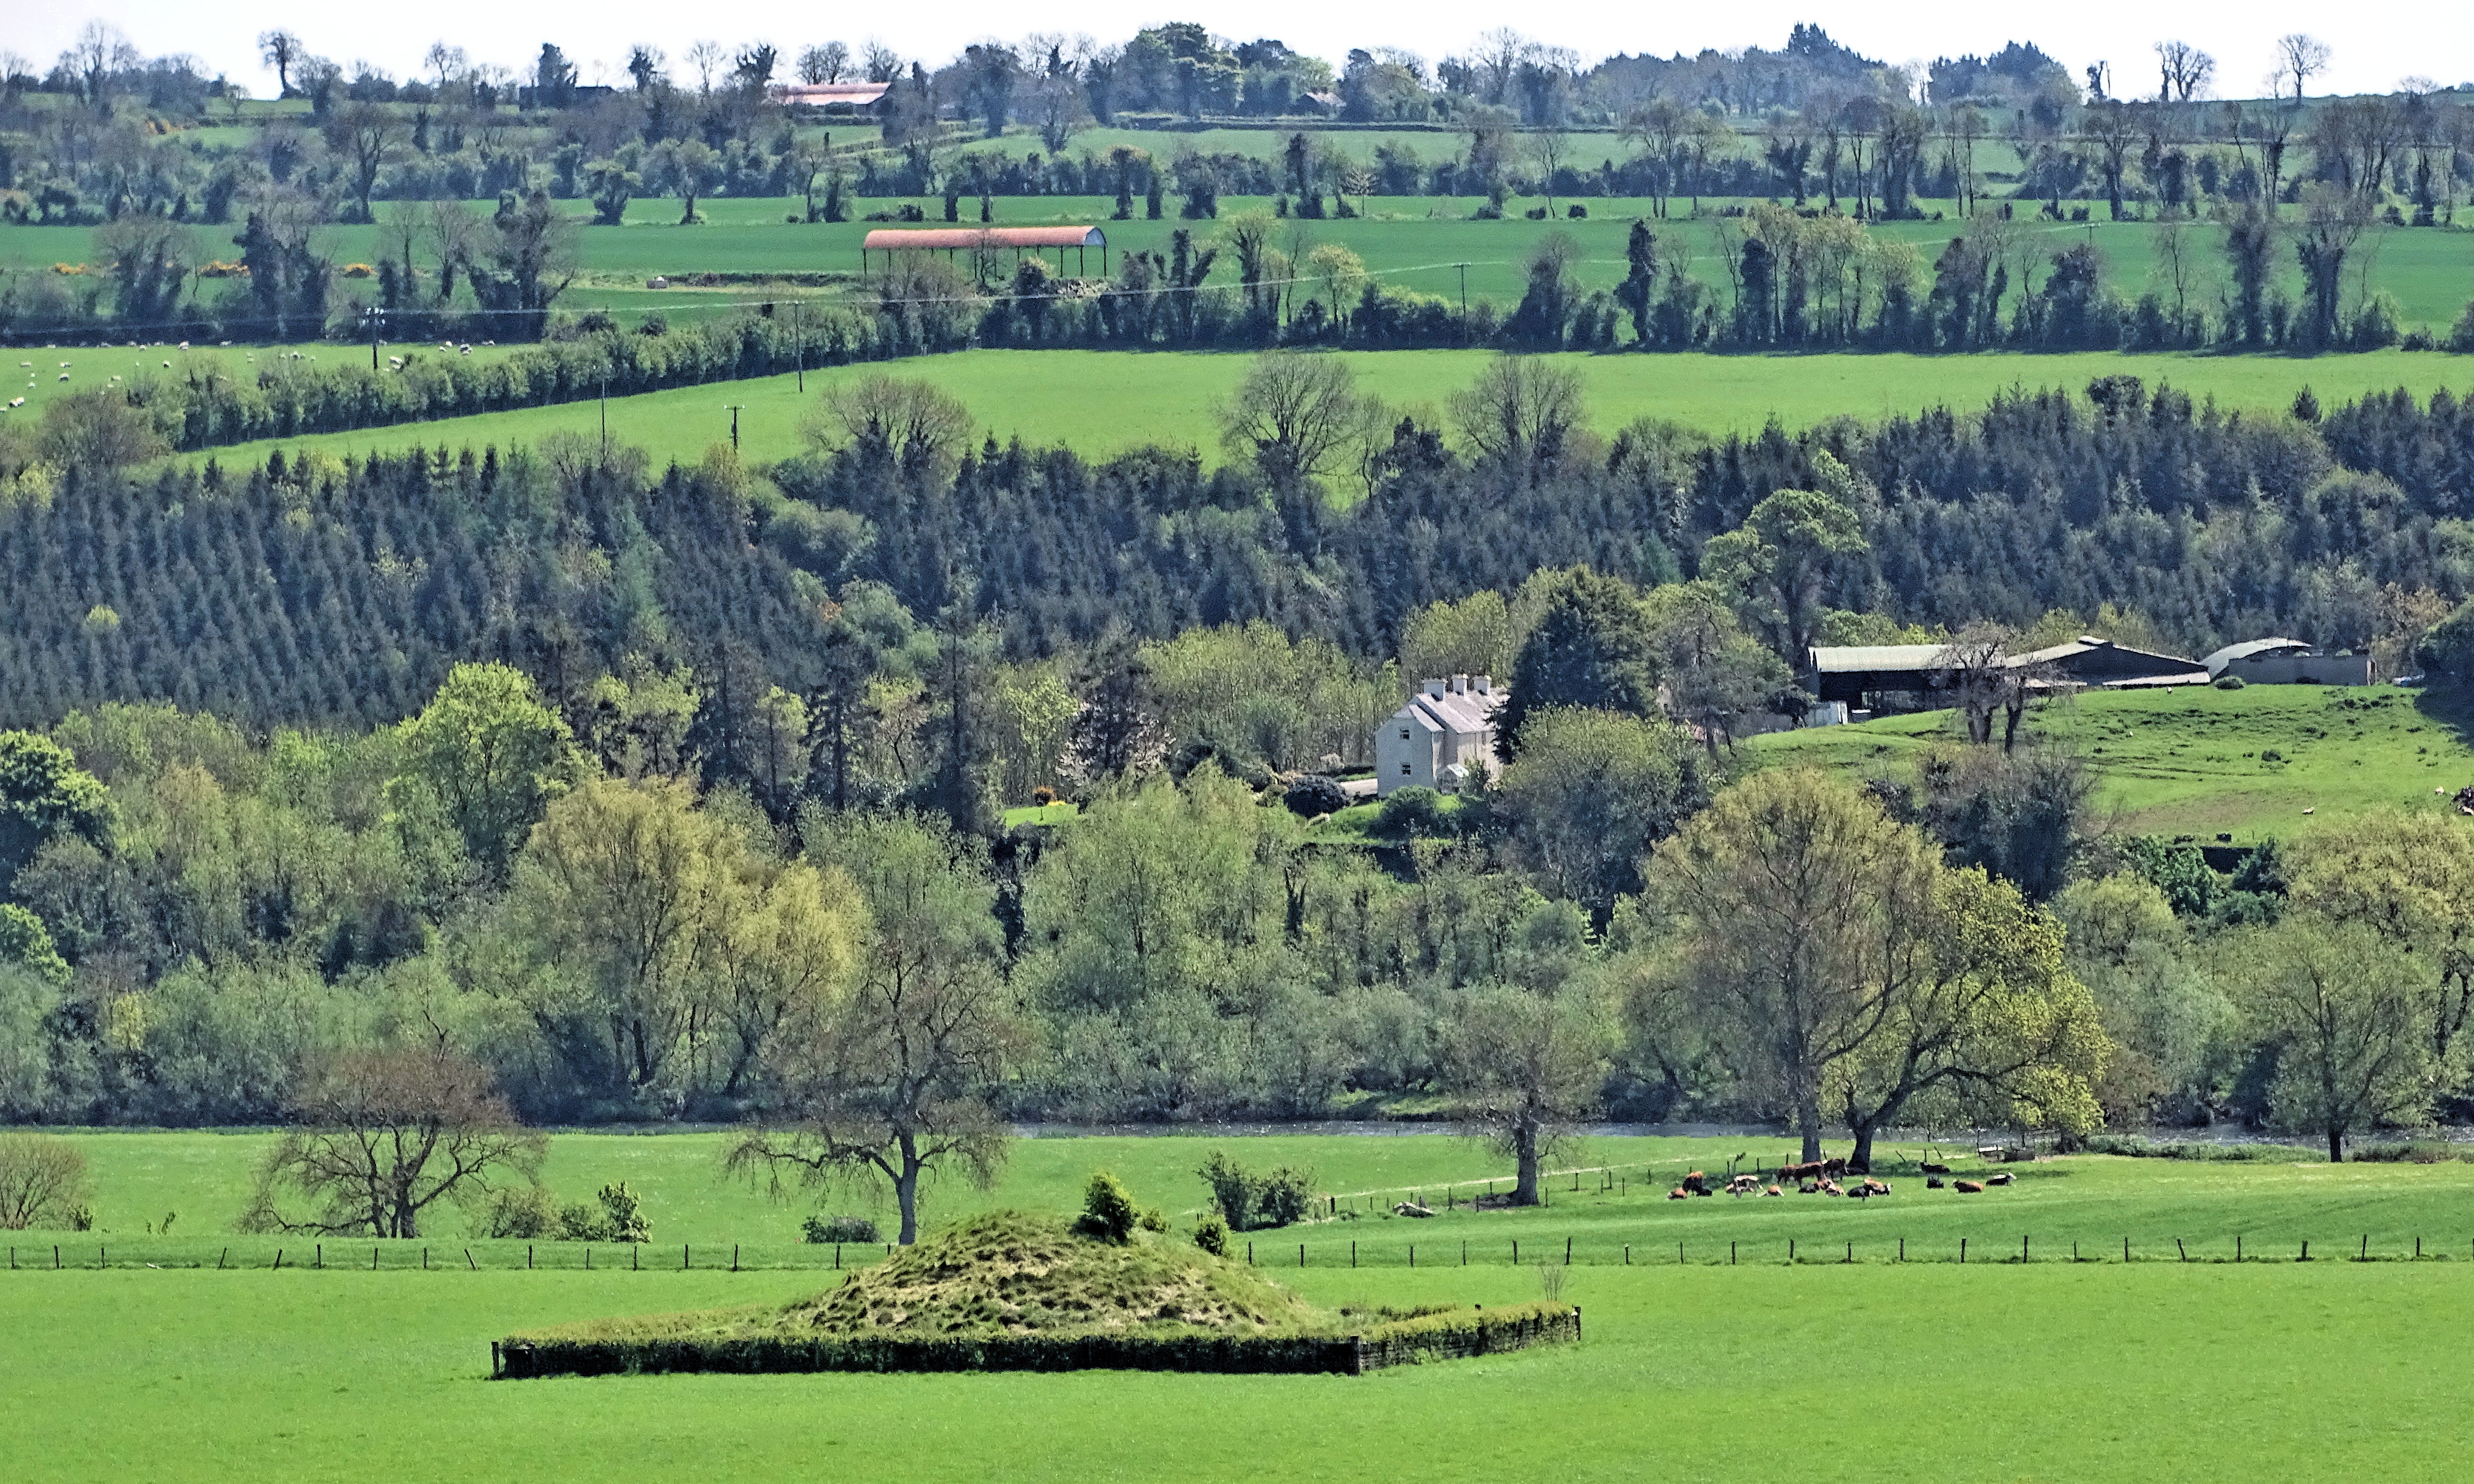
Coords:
953,241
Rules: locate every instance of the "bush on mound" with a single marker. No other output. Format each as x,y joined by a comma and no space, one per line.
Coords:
1006,1272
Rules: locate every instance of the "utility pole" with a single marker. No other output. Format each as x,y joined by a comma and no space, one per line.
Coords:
733,407
799,344
372,316
605,405
1464,268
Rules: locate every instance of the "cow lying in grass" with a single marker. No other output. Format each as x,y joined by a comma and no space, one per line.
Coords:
1968,1187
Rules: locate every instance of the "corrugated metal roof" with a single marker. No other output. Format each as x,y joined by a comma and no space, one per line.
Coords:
2216,662
964,239
1839,659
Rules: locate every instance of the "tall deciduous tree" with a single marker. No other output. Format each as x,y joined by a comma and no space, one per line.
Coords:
897,1082
2408,878
2350,1023
43,794
488,756
1526,1056
1806,914
1782,558
382,1138
1291,414
1588,795
1992,1018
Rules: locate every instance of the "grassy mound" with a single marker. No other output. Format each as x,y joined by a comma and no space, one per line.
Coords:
1007,1273
1010,1292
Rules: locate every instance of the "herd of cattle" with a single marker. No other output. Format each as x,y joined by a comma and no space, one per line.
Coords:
1826,1177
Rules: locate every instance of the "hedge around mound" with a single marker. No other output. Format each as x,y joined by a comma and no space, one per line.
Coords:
1449,1335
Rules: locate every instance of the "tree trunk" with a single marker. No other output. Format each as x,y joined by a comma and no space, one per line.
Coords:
1860,1158
905,1191
2336,1146
1807,1122
1525,1189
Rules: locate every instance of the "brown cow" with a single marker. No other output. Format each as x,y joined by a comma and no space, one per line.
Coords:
1773,1191
1968,1187
1678,1193
1696,1182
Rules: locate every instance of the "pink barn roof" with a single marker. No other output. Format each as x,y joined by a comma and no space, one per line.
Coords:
964,239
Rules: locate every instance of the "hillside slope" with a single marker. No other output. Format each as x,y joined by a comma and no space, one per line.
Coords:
2204,762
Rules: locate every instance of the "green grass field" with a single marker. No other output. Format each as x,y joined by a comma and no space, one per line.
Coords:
1414,242
2194,760
35,373
1105,402
2093,1370
2093,1200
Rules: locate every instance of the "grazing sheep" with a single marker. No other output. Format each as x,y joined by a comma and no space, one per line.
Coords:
1968,1187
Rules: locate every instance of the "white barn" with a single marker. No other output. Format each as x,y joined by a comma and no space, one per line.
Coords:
1442,739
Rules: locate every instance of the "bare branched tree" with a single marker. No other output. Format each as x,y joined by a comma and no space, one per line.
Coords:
1291,413
380,1138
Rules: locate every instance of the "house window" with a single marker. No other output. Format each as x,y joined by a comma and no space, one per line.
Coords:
1404,769
1404,734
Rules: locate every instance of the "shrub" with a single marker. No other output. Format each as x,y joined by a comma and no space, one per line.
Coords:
1249,1202
1154,1220
528,1212
1212,1236
2229,682
582,1222
1316,794
623,1215
840,1228
43,1183
1411,810
2460,339
1108,1211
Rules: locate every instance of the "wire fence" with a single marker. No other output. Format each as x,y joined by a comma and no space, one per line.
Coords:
1261,1251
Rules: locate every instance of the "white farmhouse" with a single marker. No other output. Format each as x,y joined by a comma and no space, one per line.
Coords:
1442,739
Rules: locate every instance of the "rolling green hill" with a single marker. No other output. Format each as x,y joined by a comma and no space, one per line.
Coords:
2261,762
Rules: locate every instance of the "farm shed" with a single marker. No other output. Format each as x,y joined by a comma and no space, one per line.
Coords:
1920,675
2287,662
953,241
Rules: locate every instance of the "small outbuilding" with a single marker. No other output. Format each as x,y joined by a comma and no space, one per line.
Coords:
953,241
1442,739
2287,662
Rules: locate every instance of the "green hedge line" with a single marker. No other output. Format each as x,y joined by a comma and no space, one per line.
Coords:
1401,1341
290,399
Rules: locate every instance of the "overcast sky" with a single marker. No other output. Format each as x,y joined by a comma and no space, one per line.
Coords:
2376,44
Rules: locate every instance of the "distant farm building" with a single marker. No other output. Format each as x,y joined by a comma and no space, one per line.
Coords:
1443,738
850,98
2287,662
954,241
1920,677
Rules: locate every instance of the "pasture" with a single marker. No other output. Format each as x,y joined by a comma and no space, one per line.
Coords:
1927,1370
2257,763
1102,402
1419,243
2275,1202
